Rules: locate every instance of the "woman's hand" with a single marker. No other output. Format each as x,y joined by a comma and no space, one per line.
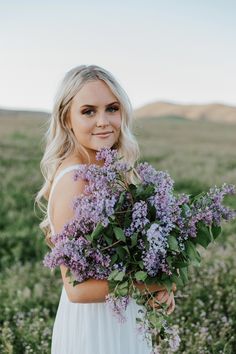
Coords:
164,297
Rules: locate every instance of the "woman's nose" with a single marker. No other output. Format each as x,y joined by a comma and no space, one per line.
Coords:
102,119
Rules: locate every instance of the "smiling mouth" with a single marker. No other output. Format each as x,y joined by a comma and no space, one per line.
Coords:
105,133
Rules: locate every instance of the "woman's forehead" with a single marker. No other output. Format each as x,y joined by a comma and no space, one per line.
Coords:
94,93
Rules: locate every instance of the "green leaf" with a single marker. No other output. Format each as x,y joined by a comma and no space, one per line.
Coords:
123,285
203,235
183,272
111,285
144,193
192,253
177,279
89,238
123,289
121,200
152,213
194,198
96,232
123,292
121,252
216,230
127,220
132,188
169,260
185,209
173,243
126,249
134,239
113,274
108,239
119,233
141,265
119,276
114,258
180,264
140,275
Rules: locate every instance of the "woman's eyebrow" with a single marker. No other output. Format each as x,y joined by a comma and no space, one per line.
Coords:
89,105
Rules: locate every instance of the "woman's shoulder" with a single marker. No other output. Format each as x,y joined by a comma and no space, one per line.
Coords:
62,184
69,161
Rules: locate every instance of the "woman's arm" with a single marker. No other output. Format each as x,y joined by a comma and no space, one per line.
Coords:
93,290
61,213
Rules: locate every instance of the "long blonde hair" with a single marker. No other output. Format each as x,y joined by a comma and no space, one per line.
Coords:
60,142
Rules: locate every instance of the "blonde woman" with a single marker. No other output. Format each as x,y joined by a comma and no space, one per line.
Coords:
91,110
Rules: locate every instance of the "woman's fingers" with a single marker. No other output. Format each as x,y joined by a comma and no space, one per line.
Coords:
170,299
171,307
161,298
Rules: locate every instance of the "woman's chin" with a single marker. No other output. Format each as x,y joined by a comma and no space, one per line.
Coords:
104,145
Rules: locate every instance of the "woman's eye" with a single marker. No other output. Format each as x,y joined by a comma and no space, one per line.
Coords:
87,112
111,109
115,108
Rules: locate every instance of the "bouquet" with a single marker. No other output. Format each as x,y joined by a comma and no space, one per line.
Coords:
142,233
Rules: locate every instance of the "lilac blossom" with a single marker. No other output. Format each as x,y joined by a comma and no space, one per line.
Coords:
148,174
139,218
207,208
94,208
118,306
83,261
154,257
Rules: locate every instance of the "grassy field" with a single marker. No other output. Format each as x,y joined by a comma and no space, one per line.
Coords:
196,154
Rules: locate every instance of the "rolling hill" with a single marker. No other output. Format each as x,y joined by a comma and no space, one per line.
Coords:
214,112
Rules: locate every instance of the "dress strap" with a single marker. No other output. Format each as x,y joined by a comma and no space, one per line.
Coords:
59,176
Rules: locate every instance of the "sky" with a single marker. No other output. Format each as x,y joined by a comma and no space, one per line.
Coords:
180,51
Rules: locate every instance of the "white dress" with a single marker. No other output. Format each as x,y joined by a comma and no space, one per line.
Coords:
92,328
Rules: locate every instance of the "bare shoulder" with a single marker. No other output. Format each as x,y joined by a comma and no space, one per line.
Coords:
69,161
64,193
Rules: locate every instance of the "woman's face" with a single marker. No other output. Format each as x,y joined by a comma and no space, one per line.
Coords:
95,110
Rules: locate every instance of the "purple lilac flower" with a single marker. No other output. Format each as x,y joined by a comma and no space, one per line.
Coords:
154,256
108,155
208,209
139,218
118,306
70,230
219,211
120,266
111,158
163,199
101,192
149,175
83,261
174,339
94,208
164,202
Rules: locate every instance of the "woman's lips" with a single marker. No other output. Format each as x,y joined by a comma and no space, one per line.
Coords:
103,135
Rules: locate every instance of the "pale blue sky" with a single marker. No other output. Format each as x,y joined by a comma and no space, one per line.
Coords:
181,51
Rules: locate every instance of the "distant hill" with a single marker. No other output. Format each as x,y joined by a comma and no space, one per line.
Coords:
13,113
211,112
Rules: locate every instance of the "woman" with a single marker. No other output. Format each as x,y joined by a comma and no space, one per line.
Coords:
91,111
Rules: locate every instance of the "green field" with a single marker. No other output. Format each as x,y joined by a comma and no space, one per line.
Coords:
196,154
